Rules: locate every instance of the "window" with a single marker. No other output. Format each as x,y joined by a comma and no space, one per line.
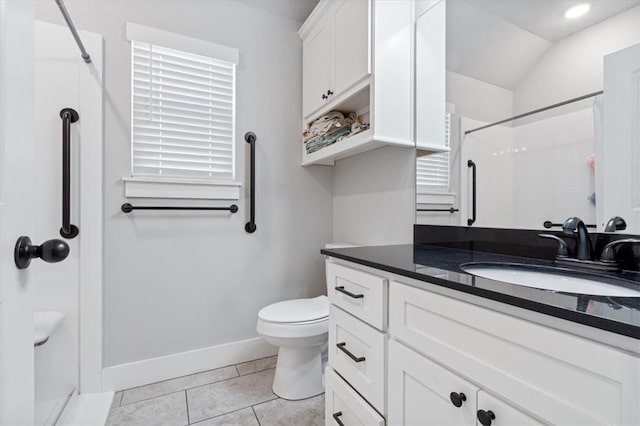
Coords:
433,170
182,114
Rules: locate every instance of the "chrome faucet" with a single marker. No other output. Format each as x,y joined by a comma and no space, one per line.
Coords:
575,227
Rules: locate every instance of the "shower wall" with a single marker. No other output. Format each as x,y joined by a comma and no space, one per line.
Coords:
532,173
63,80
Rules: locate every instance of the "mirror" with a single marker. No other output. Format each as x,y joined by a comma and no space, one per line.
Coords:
564,156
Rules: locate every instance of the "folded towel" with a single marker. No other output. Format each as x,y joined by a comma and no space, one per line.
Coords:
328,123
326,140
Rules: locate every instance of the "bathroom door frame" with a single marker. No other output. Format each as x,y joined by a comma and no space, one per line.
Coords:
17,208
18,212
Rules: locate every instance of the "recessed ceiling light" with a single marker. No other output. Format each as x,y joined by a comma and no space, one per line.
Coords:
577,10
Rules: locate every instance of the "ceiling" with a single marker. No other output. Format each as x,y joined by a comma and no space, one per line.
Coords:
545,18
499,41
297,10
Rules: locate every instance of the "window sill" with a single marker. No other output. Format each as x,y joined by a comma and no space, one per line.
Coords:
136,187
446,198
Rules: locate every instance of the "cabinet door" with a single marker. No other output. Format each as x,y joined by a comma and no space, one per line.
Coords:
352,44
343,404
317,66
420,391
430,79
493,411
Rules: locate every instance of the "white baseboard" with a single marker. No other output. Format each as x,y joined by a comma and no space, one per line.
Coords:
139,373
87,409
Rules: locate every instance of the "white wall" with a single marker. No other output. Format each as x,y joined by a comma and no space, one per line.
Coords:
574,66
182,281
374,197
478,100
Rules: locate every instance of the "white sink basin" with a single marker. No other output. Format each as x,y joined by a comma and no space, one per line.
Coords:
548,279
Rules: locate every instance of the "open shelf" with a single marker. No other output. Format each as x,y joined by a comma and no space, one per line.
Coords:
347,147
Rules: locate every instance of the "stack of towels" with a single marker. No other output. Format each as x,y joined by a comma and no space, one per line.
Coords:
331,128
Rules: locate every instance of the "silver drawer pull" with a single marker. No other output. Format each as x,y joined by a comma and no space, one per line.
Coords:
348,293
342,345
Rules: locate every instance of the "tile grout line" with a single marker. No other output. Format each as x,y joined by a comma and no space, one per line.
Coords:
235,366
256,415
231,412
186,401
230,378
189,388
185,391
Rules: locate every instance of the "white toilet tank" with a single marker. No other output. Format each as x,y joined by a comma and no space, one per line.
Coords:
339,245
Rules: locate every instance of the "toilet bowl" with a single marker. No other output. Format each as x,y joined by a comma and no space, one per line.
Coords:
299,328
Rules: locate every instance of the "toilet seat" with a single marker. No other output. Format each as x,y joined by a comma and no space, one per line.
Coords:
296,311
296,318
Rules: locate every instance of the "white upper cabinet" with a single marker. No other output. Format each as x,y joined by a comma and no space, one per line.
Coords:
317,65
336,53
431,79
352,47
358,58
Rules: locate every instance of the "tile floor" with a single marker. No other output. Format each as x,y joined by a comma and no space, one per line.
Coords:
235,395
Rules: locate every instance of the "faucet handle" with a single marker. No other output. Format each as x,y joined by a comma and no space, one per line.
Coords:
609,251
563,247
615,224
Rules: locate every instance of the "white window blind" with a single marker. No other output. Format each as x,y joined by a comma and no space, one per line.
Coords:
433,170
183,114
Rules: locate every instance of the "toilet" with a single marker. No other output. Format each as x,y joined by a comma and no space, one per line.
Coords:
300,329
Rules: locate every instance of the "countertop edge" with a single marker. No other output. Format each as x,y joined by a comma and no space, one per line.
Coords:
605,324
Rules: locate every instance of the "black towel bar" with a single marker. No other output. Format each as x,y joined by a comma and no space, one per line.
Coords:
548,224
128,208
450,210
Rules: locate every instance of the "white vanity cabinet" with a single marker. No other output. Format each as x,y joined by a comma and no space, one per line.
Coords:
421,350
422,392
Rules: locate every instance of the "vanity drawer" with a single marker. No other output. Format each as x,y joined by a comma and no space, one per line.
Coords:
344,404
356,352
562,378
359,293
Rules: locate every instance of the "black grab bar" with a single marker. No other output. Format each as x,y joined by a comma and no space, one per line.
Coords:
250,227
68,115
472,220
128,208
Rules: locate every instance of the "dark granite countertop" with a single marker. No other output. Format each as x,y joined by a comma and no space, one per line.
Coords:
440,266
